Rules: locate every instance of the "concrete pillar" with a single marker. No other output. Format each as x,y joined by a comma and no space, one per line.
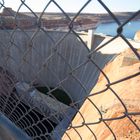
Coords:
90,38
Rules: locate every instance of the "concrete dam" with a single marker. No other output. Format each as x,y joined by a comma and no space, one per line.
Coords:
57,60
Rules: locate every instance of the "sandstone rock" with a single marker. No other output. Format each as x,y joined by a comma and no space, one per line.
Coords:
110,105
137,36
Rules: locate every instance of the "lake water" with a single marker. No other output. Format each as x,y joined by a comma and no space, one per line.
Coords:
129,29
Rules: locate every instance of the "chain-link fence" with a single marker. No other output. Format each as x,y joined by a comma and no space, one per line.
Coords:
53,84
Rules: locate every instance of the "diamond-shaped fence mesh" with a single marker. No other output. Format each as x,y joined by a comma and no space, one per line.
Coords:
54,86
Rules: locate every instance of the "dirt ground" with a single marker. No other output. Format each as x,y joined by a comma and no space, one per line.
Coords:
117,101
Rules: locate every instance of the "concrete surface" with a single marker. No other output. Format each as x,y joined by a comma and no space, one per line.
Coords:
115,47
25,56
8,131
32,58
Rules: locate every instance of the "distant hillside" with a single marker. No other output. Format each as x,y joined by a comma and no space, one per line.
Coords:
11,19
97,16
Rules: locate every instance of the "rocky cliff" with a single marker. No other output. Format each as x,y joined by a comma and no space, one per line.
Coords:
118,103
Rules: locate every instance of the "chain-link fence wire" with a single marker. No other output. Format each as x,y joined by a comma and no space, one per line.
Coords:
47,77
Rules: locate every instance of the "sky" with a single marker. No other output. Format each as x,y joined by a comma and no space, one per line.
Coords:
75,5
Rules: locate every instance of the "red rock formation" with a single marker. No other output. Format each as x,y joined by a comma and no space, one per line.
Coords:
110,106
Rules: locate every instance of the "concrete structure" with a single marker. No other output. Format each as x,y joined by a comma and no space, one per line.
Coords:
53,58
116,46
34,59
87,37
47,60
8,131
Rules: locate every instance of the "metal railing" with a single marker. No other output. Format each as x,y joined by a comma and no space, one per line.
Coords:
82,100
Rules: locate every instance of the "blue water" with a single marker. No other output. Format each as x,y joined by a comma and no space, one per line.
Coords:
129,29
